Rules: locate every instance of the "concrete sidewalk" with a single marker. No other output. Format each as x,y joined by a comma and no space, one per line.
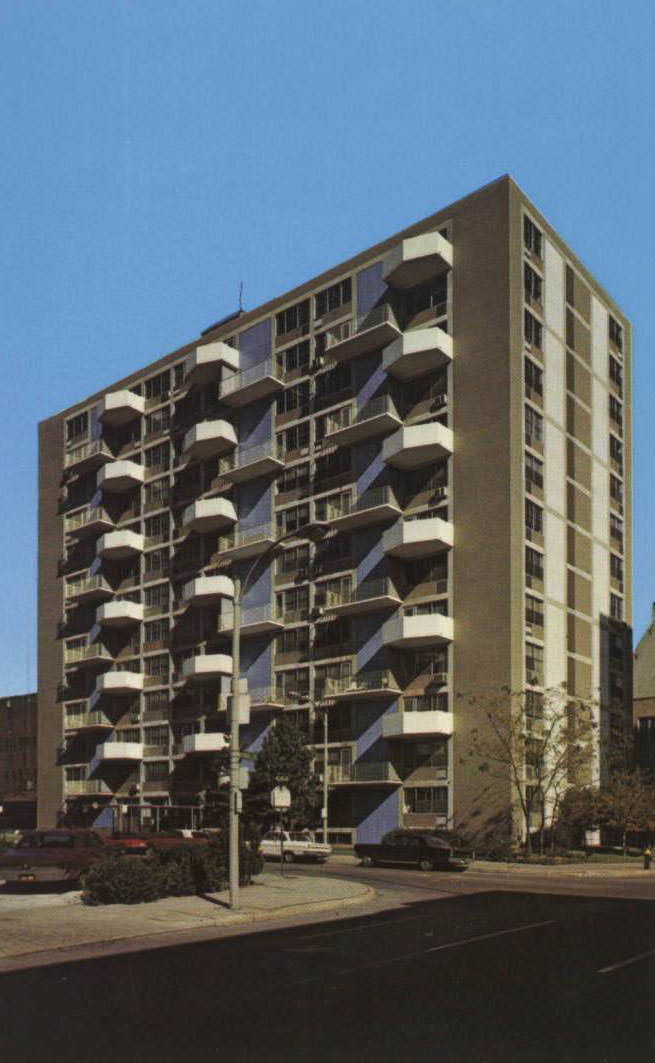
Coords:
589,870
32,924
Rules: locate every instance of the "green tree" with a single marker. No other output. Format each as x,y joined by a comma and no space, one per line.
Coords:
626,801
284,756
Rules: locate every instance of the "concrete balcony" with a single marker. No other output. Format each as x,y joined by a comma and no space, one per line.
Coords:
351,424
367,597
363,686
248,463
257,382
368,773
416,445
119,613
203,364
206,666
88,589
88,455
418,632
417,259
113,751
374,331
247,543
119,407
93,655
359,510
416,353
207,590
117,545
119,683
87,721
418,718
408,539
87,522
208,439
255,620
209,514
205,742
98,787
121,476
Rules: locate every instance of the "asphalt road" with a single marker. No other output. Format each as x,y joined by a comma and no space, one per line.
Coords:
458,972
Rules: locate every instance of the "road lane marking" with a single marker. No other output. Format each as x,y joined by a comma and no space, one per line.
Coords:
626,963
495,934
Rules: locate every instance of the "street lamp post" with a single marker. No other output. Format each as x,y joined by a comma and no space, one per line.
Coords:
316,531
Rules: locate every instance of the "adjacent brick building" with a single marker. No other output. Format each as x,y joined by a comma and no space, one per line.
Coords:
18,774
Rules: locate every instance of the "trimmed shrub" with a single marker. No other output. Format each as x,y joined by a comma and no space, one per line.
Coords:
124,880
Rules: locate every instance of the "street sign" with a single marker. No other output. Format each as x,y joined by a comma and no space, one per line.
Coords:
281,797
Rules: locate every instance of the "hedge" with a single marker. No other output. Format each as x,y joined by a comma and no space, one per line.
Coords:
182,871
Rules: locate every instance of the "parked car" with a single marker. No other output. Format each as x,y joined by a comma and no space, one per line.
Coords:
293,845
423,849
144,842
52,856
124,844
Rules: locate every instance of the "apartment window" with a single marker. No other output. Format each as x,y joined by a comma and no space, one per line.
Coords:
333,633
616,411
616,489
293,560
616,373
419,481
532,329
616,607
157,528
426,570
534,611
296,357
428,609
615,333
292,684
293,604
616,528
158,387
156,771
616,450
532,284
294,317
156,702
425,799
158,456
156,736
158,421
332,678
534,427
292,519
534,517
534,377
534,664
77,426
158,493
157,666
534,563
155,631
157,597
294,398
293,479
333,382
433,295
156,561
616,568
295,640
534,473
337,463
333,297
292,439
335,551
333,591
531,237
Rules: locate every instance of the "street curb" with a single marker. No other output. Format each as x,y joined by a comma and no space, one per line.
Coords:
557,870
191,935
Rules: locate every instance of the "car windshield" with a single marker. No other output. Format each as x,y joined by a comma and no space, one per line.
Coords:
300,836
47,841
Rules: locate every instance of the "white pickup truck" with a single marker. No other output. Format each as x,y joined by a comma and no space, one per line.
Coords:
293,845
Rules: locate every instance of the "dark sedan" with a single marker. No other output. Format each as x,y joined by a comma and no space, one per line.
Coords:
52,856
422,849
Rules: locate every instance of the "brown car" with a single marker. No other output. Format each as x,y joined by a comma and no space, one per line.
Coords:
55,855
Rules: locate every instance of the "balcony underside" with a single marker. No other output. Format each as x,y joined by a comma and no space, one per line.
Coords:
416,445
374,604
266,465
249,548
417,353
262,388
409,539
360,518
418,724
416,259
368,428
363,342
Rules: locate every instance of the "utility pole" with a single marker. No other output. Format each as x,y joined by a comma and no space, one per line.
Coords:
235,766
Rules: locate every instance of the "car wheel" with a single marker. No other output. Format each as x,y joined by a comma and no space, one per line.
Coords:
288,858
366,861
425,865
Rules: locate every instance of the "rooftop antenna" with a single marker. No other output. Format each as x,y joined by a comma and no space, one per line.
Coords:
241,296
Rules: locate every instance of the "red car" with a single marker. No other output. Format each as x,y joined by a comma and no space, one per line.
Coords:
55,855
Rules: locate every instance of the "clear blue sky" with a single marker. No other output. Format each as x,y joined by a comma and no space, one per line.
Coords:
157,152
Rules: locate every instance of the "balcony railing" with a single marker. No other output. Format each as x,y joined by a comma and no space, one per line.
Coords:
361,592
372,772
83,517
346,504
361,683
75,654
248,377
425,703
87,450
87,586
86,786
87,719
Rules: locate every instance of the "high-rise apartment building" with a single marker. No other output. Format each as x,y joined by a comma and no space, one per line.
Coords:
455,403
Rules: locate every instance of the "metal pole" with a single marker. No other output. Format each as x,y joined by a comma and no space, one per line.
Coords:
235,792
325,776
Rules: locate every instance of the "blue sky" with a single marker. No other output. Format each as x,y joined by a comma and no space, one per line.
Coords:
158,152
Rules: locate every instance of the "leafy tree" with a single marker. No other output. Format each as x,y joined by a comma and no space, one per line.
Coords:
284,756
626,801
541,744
